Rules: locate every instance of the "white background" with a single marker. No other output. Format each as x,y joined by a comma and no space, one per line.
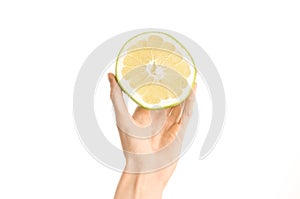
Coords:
254,44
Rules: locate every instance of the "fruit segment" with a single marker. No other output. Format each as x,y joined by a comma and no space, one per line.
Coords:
162,82
155,70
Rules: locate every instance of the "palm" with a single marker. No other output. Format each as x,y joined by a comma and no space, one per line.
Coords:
158,152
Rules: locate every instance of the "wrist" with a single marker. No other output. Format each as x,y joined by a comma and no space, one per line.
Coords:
138,186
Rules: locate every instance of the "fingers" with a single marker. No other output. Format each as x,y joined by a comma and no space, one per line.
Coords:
124,120
174,116
172,125
178,119
177,116
188,108
179,126
168,111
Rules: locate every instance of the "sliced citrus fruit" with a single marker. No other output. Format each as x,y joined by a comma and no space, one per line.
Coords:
155,70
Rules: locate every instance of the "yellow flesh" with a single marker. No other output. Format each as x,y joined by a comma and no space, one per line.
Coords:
154,70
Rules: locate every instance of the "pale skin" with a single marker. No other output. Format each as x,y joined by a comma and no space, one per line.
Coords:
140,184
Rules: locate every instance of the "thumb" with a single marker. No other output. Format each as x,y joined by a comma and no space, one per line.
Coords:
114,87
124,120
120,107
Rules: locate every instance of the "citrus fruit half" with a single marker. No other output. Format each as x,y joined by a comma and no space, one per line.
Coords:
155,70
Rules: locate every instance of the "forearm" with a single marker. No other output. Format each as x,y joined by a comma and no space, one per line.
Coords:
138,186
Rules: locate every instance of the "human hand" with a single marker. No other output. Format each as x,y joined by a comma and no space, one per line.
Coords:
151,141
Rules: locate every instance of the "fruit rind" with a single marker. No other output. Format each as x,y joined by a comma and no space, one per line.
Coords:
181,45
